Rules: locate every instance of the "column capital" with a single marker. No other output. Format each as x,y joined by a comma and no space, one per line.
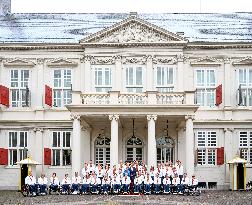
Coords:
118,57
189,117
75,117
40,61
151,117
114,117
38,129
228,129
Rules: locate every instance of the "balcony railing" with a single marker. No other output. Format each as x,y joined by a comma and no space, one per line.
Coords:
147,98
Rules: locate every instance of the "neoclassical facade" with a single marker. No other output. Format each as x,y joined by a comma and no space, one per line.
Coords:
131,91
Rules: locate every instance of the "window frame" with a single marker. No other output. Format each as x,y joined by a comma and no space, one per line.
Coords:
246,150
166,86
206,148
61,148
103,87
246,87
17,148
62,95
206,88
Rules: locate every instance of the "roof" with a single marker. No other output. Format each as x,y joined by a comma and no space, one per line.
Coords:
28,161
237,160
70,28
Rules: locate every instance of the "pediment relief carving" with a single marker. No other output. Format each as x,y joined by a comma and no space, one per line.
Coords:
134,60
102,60
164,60
206,61
59,62
18,62
132,30
244,61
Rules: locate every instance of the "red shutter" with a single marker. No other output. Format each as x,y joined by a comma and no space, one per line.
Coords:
47,156
218,95
48,95
220,156
4,95
3,156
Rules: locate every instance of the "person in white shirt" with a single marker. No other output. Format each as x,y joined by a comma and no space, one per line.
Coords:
42,183
30,180
180,170
193,182
106,184
95,184
175,182
184,183
125,184
65,184
167,184
137,183
54,183
157,183
148,183
76,183
85,170
115,183
85,184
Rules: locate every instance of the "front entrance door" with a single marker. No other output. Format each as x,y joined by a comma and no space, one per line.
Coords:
165,150
134,149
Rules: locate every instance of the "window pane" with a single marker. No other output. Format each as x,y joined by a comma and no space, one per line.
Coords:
67,78
22,154
13,157
13,139
244,153
250,77
211,156
201,156
99,77
212,139
249,97
210,97
66,157
242,76
56,157
210,78
200,77
14,78
57,78
67,97
57,98
107,76
201,139
68,139
56,139
159,76
170,76
200,97
22,139
243,139
139,76
130,79
24,78
14,98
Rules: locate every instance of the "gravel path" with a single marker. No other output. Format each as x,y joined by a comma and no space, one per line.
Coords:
206,198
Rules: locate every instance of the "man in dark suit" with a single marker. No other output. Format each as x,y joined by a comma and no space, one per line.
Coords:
132,176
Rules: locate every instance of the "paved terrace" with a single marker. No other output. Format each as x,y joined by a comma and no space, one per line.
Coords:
208,197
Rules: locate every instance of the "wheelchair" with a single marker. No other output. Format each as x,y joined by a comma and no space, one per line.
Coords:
25,190
54,190
249,186
192,191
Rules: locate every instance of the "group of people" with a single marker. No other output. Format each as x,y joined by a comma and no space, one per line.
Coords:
129,177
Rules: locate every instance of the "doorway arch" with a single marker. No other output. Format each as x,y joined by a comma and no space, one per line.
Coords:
165,149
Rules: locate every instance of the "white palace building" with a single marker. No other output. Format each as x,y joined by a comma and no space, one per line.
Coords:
111,87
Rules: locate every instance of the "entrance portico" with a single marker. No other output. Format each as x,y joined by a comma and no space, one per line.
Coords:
112,123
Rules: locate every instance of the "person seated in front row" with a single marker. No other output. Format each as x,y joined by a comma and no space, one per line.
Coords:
184,183
42,183
175,182
30,180
105,184
86,183
54,183
76,183
137,183
147,184
157,183
95,183
116,183
125,184
65,184
167,184
193,183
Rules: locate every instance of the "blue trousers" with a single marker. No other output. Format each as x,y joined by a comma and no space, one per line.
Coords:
157,188
106,187
42,188
116,187
125,187
85,188
166,188
32,188
136,188
65,187
54,187
75,187
147,188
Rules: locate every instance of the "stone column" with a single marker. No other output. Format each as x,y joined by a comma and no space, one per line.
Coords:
76,144
114,140
189,152
39,149
40,84
82,74
149,74
118,73
180,80
227,85
228,138
152,150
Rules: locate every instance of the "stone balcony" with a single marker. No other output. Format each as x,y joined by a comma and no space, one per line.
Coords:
146,98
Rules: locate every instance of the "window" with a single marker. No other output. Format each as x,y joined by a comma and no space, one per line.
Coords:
19,88
103,79
134,149
245,81
62,79
17,147
134,79
205,87
165,149
206,147
102,150
164,79
61,148
245,145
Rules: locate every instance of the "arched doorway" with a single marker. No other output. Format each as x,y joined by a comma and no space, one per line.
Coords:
134,149
102,150
165,149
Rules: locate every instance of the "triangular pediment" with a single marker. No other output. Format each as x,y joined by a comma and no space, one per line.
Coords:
61,62
18,62
244,61
133,31
206,61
